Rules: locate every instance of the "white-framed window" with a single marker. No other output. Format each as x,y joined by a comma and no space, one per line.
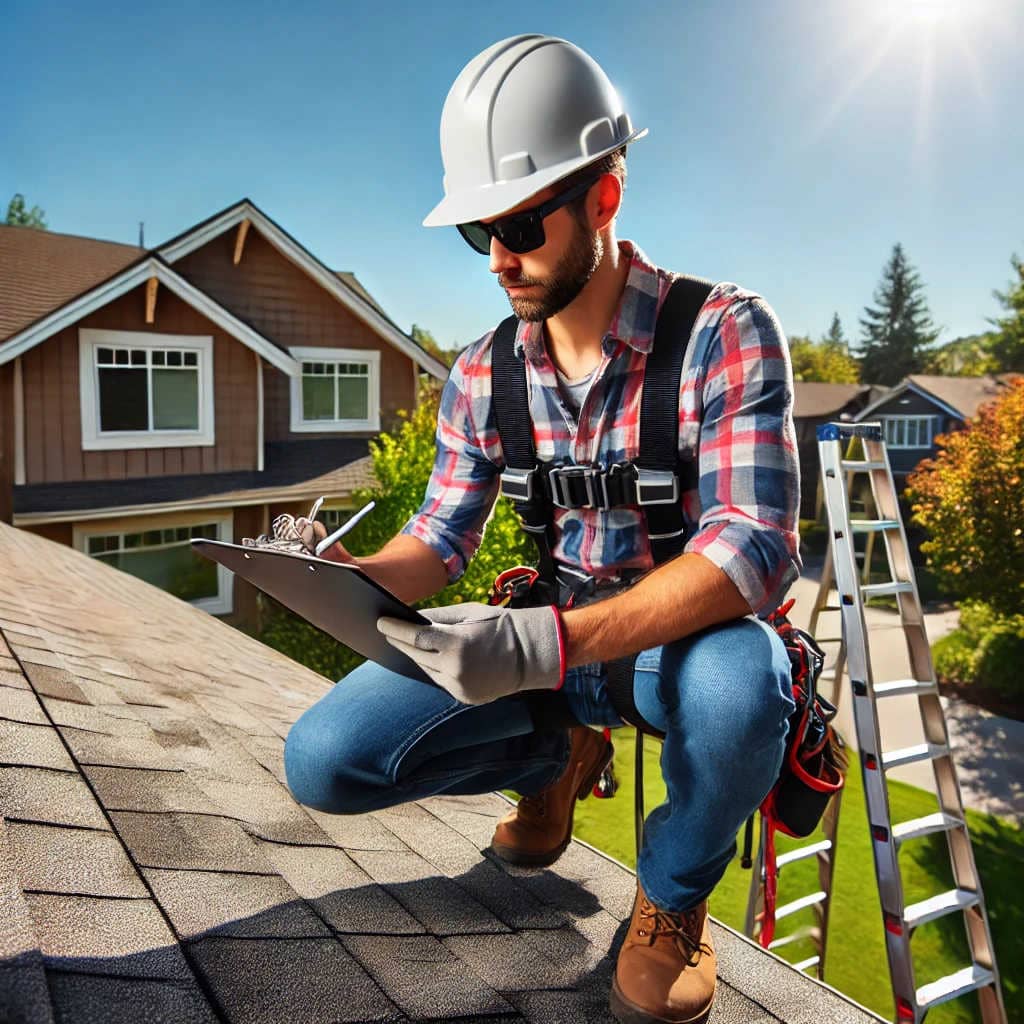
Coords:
338,389
909,431
160,552
142,390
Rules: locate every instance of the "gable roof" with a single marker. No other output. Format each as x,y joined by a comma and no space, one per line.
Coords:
813,398
41,270
960,397
351,295
153,864
137,273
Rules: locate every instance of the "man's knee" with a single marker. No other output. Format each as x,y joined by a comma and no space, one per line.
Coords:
319,764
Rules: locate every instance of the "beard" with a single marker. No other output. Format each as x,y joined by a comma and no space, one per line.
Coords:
566,281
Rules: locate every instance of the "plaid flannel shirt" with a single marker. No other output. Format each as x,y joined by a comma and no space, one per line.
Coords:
735,420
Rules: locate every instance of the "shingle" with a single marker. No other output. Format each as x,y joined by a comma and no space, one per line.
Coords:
21,706
105,936
434,900
105,1000
60,798
17,932
118,752
137,789
242,906
590,1005
24,995
342,894
473,816
423,977
305,981
356,831
732,1007
50,678
458,858
192,841
72,860
36,746
508,963
23,638
93,718
11,675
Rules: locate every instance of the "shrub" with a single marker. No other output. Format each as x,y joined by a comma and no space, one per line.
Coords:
986,650
1000,657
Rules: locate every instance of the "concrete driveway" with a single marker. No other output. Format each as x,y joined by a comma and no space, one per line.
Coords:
989,750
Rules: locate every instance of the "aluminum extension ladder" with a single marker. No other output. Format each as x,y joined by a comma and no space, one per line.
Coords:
899,920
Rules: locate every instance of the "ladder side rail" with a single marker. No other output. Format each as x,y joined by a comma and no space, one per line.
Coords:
961,853
890,885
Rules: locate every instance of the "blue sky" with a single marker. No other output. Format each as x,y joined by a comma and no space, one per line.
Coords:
791,143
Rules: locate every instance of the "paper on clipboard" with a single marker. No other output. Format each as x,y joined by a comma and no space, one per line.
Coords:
338,598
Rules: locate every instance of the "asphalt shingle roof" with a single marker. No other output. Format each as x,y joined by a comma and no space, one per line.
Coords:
153,865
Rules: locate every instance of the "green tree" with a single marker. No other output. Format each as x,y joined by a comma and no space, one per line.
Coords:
899,328
1008,344
835,337
19,216
822,361
426,340
970,499
969,356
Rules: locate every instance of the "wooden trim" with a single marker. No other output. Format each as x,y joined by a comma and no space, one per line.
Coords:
243,230
19,424
151,286
259,412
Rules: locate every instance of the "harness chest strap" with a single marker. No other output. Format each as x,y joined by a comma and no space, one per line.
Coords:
655,481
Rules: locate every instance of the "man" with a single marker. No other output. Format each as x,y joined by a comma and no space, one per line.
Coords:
533,138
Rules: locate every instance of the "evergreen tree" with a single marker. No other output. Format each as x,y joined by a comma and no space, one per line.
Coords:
19,216
835,338
1008,345
898,331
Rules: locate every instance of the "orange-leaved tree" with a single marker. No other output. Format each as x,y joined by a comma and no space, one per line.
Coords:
970,499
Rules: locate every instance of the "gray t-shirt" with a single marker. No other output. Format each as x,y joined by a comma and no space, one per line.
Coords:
574,391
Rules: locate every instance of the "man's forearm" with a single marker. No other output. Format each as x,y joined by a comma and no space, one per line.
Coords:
678,598
406,566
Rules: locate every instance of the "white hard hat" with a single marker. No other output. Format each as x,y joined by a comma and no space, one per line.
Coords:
521,115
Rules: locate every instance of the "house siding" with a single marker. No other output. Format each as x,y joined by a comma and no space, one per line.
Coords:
6,442
53,419
284,304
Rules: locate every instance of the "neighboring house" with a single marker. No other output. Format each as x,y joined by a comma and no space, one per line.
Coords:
197,389
816,403
921,407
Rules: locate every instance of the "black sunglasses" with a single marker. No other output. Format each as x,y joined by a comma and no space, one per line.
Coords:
520,232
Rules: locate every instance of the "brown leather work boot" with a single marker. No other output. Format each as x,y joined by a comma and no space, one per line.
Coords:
539,829
666,968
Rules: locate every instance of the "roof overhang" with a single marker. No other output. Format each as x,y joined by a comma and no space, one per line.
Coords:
292,250
138,274
907,385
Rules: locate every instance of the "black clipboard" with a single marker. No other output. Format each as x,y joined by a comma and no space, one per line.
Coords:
338,598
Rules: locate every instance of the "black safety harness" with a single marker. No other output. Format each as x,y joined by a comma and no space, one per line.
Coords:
654,481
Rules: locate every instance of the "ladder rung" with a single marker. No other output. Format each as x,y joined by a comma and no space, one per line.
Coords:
953,985
803,853
869,590
897,687
873,525
810,932
801,904
911,755
811,961
945,903
859,465
917,827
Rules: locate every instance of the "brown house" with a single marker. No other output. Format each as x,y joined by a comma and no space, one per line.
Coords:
196,389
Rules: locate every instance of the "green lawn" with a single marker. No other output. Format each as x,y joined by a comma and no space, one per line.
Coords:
856,961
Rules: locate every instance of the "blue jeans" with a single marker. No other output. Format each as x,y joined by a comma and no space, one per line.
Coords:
722,697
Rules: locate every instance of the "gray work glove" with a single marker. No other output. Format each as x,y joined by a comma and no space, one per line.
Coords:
480,652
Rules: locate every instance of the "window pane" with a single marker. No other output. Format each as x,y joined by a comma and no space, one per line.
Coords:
158,358
138,357
133,540
317,398
123,401
121,356
191,358
175,399
174,359
97,544
911,433
177,570
353,398
104,355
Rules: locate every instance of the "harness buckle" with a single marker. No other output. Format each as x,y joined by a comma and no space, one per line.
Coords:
578,487
518,484
656,487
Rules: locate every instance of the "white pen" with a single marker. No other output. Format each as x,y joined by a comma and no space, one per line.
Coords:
344,528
